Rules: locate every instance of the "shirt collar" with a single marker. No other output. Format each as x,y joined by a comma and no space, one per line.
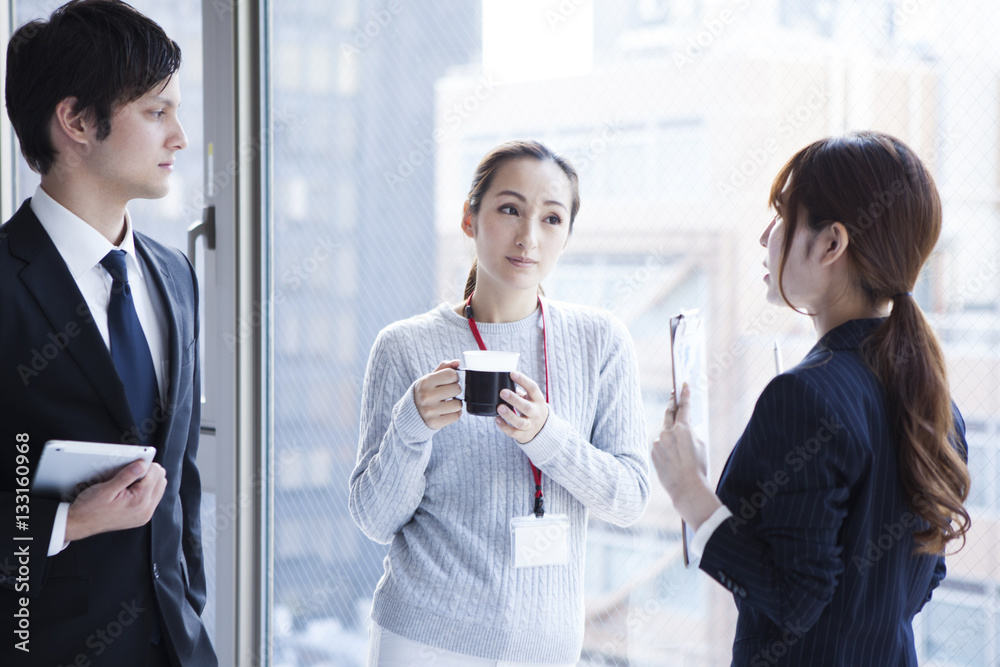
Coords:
81,246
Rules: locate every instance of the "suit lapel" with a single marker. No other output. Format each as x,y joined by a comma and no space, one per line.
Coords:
48,280
157,263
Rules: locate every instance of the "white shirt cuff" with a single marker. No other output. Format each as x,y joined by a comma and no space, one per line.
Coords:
696,547
58,541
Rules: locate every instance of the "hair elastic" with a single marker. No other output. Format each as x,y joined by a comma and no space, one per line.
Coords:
896,296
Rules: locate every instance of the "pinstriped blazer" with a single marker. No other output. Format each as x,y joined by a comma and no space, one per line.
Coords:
819,552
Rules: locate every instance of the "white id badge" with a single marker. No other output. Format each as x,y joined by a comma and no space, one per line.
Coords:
535,542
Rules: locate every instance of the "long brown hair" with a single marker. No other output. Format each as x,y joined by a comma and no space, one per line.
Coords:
500,156
880,191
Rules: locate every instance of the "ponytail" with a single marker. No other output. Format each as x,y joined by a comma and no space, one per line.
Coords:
470,282
882,193
905,355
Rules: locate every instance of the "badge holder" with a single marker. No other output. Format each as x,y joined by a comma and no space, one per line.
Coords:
538,541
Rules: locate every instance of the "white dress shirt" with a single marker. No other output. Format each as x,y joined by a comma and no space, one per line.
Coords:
696,547
82,248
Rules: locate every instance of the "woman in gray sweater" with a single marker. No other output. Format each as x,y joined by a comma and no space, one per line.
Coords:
448,490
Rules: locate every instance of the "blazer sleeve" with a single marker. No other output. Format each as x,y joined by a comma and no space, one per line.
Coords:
607,469
796,465
190,490
394,448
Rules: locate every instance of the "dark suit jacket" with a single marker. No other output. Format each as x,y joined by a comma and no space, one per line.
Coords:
819,552
94,603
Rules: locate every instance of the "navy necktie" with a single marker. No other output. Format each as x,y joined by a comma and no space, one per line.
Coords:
129,349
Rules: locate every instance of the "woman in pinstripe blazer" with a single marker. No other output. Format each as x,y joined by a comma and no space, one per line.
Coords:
831,518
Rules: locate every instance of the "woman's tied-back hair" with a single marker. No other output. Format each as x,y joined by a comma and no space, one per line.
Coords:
500,156
881,192
102,52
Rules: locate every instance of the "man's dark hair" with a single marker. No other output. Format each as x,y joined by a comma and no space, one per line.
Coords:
102,52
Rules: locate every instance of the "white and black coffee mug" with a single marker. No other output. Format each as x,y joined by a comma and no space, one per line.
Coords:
487,373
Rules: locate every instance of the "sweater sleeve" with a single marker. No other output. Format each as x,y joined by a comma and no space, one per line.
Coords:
606,470
394,448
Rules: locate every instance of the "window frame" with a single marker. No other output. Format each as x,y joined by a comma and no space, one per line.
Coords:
237,322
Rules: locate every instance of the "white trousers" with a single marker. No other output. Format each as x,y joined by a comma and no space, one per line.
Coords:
387,649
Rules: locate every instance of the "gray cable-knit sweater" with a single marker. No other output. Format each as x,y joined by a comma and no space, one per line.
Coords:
445,498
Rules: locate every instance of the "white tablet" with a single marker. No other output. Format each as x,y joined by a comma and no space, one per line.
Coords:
67,467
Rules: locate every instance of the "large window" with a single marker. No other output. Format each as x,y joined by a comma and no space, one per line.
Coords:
677,116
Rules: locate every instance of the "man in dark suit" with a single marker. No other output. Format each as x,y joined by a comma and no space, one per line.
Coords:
98,342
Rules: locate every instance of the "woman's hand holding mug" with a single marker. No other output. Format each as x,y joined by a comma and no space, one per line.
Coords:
435,394
532,410
436,397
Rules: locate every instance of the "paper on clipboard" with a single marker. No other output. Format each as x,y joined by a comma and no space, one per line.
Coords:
687,356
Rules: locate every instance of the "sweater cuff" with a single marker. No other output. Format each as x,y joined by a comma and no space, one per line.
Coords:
409,424
549,441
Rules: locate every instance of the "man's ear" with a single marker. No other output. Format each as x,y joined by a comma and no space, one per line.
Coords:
74,126
832,243
467,221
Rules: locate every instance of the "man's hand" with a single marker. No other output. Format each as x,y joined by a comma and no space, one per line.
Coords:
121,502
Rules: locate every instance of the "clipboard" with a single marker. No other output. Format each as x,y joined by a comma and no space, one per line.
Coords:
687,357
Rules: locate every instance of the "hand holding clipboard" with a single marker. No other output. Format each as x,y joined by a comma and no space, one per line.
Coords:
687,350
687,354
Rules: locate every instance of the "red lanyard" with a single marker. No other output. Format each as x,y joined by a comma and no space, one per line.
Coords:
538,509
